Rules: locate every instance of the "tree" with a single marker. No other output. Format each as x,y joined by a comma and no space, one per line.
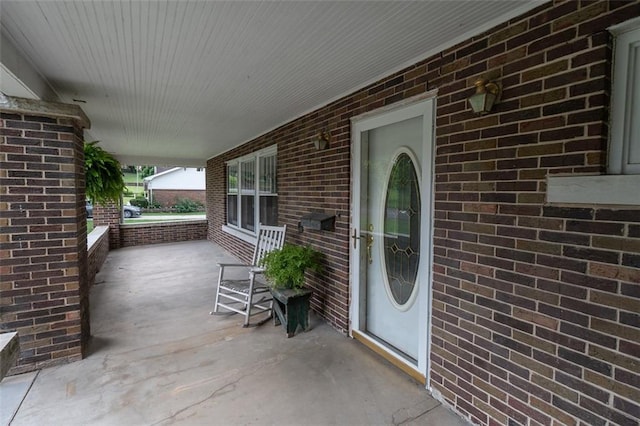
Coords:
103,174
147,171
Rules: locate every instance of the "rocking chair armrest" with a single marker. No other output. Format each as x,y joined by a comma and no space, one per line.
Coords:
231,265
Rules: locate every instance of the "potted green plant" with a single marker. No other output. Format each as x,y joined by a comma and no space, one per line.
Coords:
285,268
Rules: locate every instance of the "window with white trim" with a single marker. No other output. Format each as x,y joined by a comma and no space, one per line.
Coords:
252,196
624,148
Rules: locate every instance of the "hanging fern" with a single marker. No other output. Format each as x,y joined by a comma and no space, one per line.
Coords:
104,180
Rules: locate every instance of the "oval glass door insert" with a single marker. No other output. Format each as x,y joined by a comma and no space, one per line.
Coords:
402,231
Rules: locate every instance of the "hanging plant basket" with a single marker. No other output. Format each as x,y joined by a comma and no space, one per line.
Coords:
103,174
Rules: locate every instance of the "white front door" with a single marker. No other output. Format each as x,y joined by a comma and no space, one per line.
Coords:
391,247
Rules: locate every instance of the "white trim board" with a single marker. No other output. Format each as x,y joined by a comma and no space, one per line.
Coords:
604,189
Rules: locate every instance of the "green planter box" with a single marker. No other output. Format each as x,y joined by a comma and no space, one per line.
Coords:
291,308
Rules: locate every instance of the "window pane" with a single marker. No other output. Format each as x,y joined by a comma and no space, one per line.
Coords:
247,191
269,210
634,106
232,194
268,190
268,175
402,229
232,209
232,178
248,182
247,212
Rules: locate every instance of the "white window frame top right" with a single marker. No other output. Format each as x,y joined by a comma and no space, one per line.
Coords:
624,148
620,185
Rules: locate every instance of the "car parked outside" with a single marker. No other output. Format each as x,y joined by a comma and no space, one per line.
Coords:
131,211
127,211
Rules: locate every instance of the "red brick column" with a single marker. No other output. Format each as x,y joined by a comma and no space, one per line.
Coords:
108,214
43,233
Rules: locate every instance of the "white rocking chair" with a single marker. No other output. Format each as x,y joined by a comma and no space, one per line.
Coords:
237,295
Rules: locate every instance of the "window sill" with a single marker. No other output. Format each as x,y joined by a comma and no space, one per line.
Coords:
603,189
249,238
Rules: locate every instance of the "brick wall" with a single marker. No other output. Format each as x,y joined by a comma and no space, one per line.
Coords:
535,314
169,197
163,232
43,239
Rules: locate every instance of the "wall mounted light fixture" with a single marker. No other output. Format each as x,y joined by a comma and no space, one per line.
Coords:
321,140
486,94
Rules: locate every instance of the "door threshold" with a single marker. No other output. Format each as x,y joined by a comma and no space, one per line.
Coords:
389,356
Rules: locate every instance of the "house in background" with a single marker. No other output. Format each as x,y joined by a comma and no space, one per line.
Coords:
170,186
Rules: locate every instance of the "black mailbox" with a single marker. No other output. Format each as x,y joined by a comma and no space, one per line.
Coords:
319,221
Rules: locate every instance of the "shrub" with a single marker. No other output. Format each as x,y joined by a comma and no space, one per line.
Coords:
187,206
139,202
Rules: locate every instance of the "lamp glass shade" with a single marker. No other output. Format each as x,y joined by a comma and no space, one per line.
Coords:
320,143
482,102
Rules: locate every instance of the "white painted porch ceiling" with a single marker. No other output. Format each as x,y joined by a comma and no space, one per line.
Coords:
177,82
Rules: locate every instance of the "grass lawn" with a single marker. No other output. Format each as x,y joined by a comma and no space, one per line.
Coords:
130,181
160,217
130,177
134,221
166,214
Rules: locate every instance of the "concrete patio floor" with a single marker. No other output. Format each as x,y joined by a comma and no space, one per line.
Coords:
158,358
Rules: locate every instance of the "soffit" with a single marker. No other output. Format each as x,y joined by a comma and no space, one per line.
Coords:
177,82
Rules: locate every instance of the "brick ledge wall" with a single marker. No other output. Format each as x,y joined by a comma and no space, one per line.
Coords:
97,251
162,232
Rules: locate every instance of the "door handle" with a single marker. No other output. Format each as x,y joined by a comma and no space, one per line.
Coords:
369,240
370,243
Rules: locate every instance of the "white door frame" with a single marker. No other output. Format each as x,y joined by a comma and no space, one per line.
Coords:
419,106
